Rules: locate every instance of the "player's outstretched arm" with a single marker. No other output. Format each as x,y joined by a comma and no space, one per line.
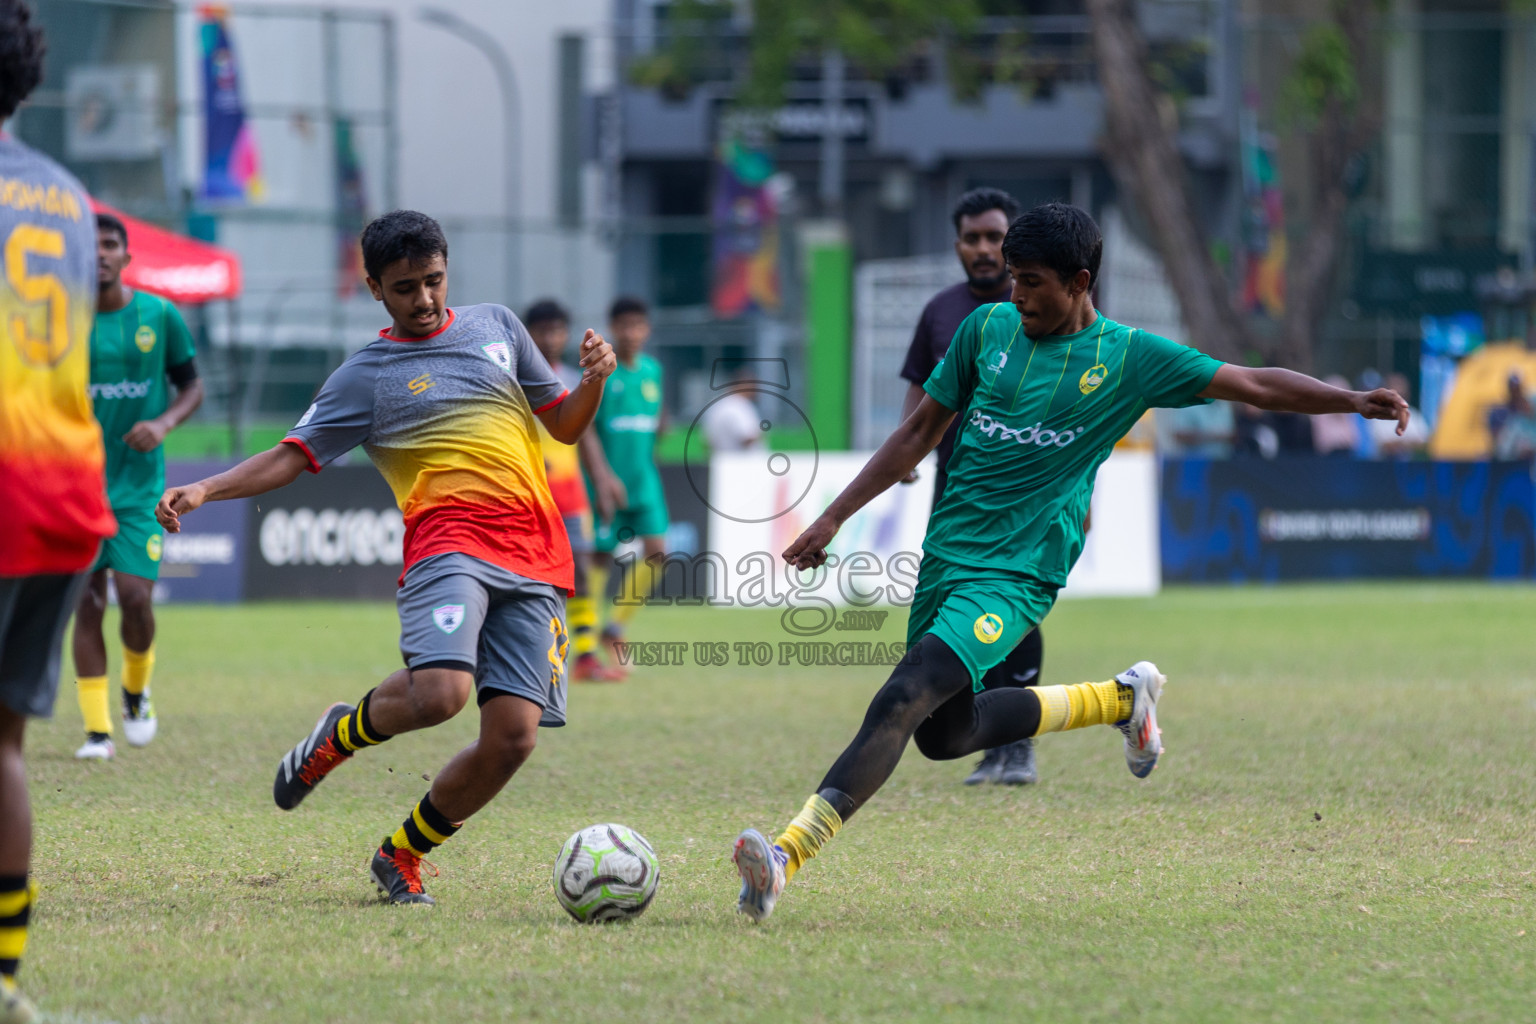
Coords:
271,469
918,435
566,421
1288,391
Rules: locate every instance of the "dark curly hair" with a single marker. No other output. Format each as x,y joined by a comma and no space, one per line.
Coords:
21,55
400,235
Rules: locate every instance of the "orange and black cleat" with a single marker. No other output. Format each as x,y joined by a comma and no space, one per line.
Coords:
397,873
305,765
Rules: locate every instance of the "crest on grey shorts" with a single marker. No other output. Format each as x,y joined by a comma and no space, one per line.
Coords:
448,617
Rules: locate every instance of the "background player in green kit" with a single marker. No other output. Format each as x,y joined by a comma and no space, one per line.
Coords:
627,424
138,341
1044,386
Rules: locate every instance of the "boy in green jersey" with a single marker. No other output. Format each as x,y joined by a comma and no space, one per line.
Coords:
138,341
627,425
1043,386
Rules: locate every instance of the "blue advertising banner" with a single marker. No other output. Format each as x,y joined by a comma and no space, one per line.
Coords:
1296,519
206,560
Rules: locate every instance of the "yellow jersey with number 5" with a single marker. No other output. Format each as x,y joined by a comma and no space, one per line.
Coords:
53,502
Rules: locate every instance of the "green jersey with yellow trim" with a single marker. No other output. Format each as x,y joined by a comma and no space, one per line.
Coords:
132,349
628,418
1037,418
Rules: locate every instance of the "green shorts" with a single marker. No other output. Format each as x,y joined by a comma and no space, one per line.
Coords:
646,516
982,614
136,548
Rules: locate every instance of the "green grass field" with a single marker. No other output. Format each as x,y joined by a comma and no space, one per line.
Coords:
1342,830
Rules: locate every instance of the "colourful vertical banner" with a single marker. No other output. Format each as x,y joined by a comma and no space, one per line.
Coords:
231,169
351,211
1263,219
745,220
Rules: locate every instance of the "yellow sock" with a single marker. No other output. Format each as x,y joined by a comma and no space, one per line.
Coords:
94,706
138,666
804,837
1083,704
633,591
581,615
597,587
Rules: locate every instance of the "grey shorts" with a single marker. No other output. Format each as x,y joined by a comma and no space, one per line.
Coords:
509,630
33,612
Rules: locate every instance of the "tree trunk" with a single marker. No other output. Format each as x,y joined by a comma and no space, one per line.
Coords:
1144,158
1340,135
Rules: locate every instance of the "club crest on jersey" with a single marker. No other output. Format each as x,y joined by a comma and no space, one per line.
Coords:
144,337
649,391
1092,378
448,617
498,353
988,628
1002,361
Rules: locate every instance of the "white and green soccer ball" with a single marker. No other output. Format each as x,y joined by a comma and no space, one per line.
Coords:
606,873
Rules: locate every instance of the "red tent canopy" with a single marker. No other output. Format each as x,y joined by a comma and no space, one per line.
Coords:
180,268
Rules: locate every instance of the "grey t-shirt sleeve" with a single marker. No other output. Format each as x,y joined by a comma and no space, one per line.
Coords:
539,383
342,414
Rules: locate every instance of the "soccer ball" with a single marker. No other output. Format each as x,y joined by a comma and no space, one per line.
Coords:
606,873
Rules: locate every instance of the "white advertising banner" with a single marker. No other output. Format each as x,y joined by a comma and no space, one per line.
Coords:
760,501
1120,557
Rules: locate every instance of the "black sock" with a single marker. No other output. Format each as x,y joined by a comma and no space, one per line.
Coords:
356,731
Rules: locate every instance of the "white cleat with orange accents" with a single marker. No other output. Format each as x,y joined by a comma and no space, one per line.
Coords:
761,866
1143,739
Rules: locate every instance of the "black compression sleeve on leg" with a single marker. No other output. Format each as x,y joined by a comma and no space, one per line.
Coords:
1022,666
967,723
841,802
929,675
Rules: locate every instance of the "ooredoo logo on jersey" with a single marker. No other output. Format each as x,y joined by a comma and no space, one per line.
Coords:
1036,434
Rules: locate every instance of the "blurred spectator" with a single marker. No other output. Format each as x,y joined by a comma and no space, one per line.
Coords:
1197,431
1293,430
1336,433
1254,435
1513,424
732,423
1383,433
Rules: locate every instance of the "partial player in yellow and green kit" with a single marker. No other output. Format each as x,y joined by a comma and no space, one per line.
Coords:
627,424
1042,387
138,342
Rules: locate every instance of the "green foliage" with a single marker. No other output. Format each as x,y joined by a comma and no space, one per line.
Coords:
1401,714
877,36
1324,73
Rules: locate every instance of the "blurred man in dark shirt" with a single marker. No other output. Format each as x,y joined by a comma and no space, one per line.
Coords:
981,220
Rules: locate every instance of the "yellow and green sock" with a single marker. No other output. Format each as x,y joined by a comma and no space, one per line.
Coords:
16,898
1083,704
424,830
95,708
811,829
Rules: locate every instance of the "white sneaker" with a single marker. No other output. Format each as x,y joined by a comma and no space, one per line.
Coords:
1143,739
139,723
15,1008
96,748
761,866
